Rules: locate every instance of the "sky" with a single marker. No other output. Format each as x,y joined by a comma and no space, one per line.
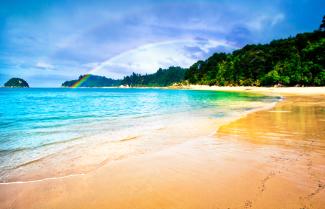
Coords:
47,42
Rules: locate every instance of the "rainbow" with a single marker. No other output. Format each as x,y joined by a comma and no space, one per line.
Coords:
81,81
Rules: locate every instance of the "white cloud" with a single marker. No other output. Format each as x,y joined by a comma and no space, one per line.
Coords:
44,65
260,22
277,18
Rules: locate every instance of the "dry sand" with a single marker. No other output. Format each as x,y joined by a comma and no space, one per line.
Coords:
267,159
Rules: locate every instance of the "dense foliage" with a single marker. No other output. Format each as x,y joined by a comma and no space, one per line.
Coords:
16,83
93,81
298,60
163,77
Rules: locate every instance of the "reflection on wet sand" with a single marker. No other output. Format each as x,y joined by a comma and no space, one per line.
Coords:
297,121
283,168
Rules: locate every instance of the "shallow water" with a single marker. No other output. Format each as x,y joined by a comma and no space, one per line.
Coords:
57,132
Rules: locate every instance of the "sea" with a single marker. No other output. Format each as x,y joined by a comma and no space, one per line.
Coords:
58,132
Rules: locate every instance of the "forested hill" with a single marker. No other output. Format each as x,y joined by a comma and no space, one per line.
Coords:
92,81
16,83
163,77
298,60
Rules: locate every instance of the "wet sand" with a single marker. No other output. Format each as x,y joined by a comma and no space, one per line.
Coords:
268,159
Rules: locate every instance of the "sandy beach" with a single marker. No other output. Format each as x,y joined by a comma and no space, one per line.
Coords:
263,90
272,158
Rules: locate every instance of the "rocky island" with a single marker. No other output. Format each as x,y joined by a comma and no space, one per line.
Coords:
16,83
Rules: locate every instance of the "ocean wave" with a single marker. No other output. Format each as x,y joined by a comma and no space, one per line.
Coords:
22,149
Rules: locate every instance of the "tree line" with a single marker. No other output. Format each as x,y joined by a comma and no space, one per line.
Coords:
163,77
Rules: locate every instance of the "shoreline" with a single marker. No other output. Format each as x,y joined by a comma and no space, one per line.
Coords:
193,167
281,91
274,91
216,124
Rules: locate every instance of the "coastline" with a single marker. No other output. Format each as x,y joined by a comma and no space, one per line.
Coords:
274,91
277,91
192,168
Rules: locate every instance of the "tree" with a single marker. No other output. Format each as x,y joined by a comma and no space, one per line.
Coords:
322,25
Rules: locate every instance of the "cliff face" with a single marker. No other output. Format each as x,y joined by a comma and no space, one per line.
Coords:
16,83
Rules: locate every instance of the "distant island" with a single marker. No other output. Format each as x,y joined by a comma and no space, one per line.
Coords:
16,83
91,81
294,61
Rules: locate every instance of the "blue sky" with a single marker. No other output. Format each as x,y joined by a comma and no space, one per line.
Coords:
47,42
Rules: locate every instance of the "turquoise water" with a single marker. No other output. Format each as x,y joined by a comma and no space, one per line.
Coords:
39,122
